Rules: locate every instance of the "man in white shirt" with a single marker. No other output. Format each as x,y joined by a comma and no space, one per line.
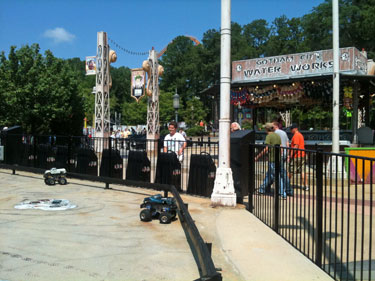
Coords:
174,141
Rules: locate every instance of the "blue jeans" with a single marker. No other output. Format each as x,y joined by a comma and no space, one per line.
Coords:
270,178
284,176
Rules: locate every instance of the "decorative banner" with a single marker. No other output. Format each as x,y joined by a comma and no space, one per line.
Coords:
137,88
91,65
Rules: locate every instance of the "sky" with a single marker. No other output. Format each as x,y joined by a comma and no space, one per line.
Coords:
69,27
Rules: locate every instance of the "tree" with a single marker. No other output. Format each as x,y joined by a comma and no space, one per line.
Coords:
40,93
86,83
194,112
134,113
209,54
166,110
357,22
239,46
317,27
120,90
286,37
256,35
180,63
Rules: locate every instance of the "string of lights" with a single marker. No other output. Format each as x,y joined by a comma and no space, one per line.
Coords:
126,50
306,92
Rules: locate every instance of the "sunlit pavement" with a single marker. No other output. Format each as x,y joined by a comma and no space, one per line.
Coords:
103,238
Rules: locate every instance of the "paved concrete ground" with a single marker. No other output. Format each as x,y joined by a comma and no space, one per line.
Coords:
103,238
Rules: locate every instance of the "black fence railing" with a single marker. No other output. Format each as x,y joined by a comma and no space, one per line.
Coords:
321,203
314,135
136,159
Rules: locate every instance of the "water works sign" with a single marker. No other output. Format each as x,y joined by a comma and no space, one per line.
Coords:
352,61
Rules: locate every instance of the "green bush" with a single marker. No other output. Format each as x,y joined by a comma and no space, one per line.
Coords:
164,132
247,125
196,131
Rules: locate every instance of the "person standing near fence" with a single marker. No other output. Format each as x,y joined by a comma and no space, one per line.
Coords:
296,158
182,132
174,141
284,156
271,139
234,127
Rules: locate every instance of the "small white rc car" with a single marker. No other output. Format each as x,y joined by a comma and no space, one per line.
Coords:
55,175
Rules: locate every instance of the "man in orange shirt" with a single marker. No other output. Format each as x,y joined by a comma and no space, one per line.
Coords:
297,156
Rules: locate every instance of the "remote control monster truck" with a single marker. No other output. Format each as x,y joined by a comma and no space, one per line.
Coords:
156,206
55,175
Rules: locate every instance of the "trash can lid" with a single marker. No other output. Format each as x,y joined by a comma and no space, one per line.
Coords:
242,136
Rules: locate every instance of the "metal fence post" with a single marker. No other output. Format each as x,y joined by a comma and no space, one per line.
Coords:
109,160
276,151
319,207
251,186
69,153
33,138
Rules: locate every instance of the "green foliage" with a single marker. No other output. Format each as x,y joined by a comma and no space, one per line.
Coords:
194,112
247,125
256,34
164,131
318,117
180,68
85,87
134,113
317,27
120,87
166,110
356,23
286,37
196,131
40,93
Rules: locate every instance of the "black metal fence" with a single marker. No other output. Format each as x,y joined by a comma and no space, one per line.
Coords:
321,203
136,159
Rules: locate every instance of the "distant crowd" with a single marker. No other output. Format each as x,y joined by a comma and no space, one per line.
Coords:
124,134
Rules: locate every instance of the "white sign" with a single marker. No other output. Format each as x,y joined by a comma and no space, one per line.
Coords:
90,65
137,89
352,61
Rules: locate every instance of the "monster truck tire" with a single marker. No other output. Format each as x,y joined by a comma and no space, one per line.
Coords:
145,215
51,181
62,181
165,218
